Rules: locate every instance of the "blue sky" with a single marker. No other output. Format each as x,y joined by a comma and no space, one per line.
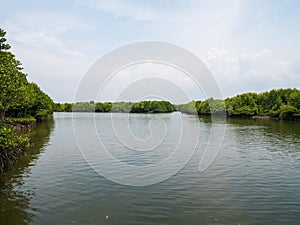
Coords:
248,45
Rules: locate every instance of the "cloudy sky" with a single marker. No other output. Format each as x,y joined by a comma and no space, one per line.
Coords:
249,45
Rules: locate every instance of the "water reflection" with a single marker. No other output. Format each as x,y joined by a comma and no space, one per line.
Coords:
274,136
274,126
14,199
254,179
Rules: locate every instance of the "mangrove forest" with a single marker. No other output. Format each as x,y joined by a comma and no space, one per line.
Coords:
276,103
21,103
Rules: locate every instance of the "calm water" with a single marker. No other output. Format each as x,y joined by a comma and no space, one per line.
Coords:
255,178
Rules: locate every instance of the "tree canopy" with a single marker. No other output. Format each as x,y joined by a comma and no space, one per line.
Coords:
18,97
20,102
280,103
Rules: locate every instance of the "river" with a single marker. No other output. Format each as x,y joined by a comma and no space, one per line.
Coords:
62,179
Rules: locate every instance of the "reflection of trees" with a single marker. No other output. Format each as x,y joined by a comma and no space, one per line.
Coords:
14,202
276,127
273,135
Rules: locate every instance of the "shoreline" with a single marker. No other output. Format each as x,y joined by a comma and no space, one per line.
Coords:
9,154
21,126
256,117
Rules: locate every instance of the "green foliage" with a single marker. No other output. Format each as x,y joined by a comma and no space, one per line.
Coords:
21,102
12,80
9,139
287,112
63,107
83,107
281,103
123,107
189,108
18,97
11,145
203,107
41,105
294,98
22,120
242,105
103,107
206,107
152,107
210,106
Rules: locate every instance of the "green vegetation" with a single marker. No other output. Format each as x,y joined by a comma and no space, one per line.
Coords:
10,146
21,102
139,107
124,107
22,120
103,107
281,103
188,108
153,107
203,108
18,97
63,107
93,107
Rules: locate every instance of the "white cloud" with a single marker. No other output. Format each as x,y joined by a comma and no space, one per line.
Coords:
53,61
134,73
256,71
124,9
57,74
39,39
58,44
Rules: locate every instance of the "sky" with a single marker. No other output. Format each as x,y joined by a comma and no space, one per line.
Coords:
248,45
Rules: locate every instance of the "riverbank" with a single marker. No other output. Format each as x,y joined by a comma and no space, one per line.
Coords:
13,139
218,114
12,143
20,126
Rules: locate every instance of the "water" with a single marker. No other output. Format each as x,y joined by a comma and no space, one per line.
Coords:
255,178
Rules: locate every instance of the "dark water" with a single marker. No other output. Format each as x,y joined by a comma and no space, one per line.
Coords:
255,178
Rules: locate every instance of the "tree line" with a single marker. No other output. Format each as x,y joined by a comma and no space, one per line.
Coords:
125,107
281,103
277,103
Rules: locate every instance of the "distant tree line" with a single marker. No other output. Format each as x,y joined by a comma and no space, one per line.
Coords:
128,107
203,108
153,107
280,103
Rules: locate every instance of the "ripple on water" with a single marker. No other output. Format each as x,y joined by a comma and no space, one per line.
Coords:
255,179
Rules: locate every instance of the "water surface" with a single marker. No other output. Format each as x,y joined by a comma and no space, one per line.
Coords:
255,178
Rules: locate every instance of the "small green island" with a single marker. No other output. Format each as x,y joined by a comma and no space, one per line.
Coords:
23,103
